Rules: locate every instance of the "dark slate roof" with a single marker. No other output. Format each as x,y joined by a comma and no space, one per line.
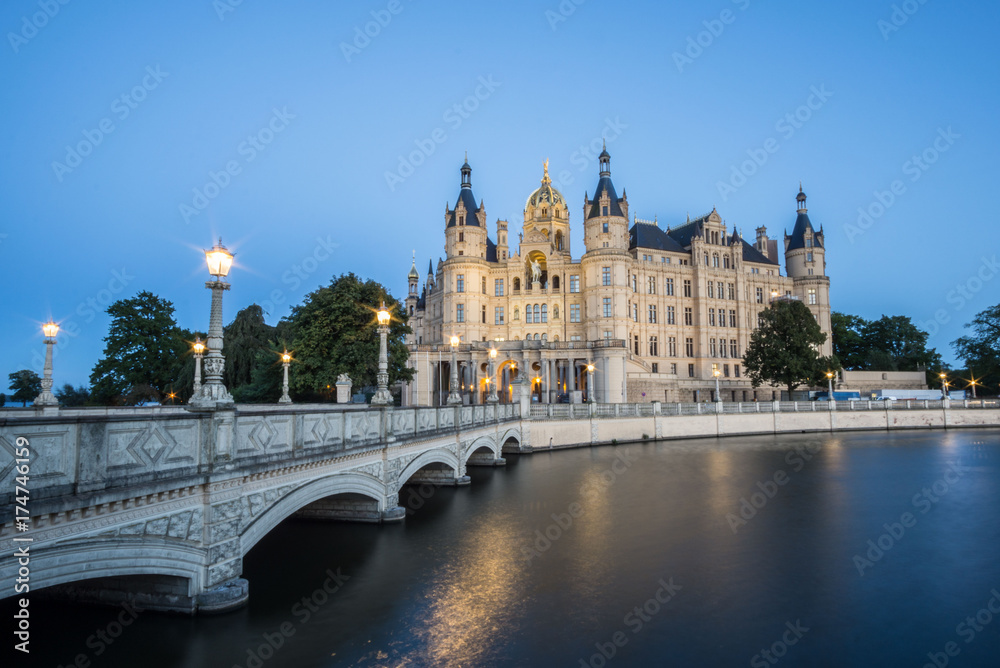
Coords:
430,266
491,250
422,302
751,254
615,209
650,236
471,208
798,237
683,234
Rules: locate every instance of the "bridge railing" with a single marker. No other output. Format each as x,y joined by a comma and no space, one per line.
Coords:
579,411
91,451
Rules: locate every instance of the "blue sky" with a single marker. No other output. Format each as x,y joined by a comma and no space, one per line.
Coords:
309,119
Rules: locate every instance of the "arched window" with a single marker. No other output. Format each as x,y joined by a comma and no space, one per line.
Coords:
559,240
538,315
545,212
536,336
545,337
545,313
706,259
527,314
517,313
555,282
715,259
517,283
725,262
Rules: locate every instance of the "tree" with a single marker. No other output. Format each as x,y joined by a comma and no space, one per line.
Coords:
335,331
144,352
849,345
245,337
782,350
980,350
3,399
894,343
26,385
69,396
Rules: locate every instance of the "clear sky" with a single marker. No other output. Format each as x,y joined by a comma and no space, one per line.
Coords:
122,118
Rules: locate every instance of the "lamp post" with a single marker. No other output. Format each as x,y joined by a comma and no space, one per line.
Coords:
286,359
46,398
944,385
382,396
454,398
199,352
829,385
590,383
492,398
716,373
213,392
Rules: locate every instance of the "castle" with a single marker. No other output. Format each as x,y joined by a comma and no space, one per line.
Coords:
646,314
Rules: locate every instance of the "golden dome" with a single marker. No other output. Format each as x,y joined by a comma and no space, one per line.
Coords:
545,195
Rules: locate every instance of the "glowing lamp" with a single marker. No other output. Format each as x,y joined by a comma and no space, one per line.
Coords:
219,260
383,316
51,329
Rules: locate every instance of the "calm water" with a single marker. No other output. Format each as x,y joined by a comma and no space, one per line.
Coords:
454,586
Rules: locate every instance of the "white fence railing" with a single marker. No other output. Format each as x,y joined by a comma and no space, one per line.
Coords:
577,411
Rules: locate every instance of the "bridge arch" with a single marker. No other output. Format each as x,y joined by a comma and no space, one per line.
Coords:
331,485
435,456
487,442
510,441
95,558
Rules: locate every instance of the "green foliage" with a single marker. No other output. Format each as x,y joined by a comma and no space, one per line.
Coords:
144,352
245,337
980,350
26,385
782,351
891,343
70,396
335,331
265,380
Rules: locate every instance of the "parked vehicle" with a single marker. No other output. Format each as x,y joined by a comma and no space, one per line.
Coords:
839,395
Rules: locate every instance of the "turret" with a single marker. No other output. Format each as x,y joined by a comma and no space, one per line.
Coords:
605,218
465,225
804,248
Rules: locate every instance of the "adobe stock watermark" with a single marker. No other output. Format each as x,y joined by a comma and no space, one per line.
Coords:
562,12
779,648
223,7
300,271
303,610
915,168
963,293
900,14
248,149
586,155
768,489
121,108
786,126
706,38
363,35
923,501
30,25
563,522
635,620
454,116
100,640
967,629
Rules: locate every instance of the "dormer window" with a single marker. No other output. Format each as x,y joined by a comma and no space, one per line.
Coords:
604,212
545,212
809,242
461,220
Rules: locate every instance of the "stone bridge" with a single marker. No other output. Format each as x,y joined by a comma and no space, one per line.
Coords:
158,506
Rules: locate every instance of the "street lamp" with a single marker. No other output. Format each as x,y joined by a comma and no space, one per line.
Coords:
382,396
716,373
590,383
286,359
492,398
199,352
972,384
46,398
944,385
213,392
829,384
454,398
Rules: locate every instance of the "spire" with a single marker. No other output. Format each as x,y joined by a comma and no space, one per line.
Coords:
466,173
430,266
414,275
801,199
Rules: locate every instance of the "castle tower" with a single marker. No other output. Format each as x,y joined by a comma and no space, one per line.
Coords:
805,263
545,211
412,295
605,218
